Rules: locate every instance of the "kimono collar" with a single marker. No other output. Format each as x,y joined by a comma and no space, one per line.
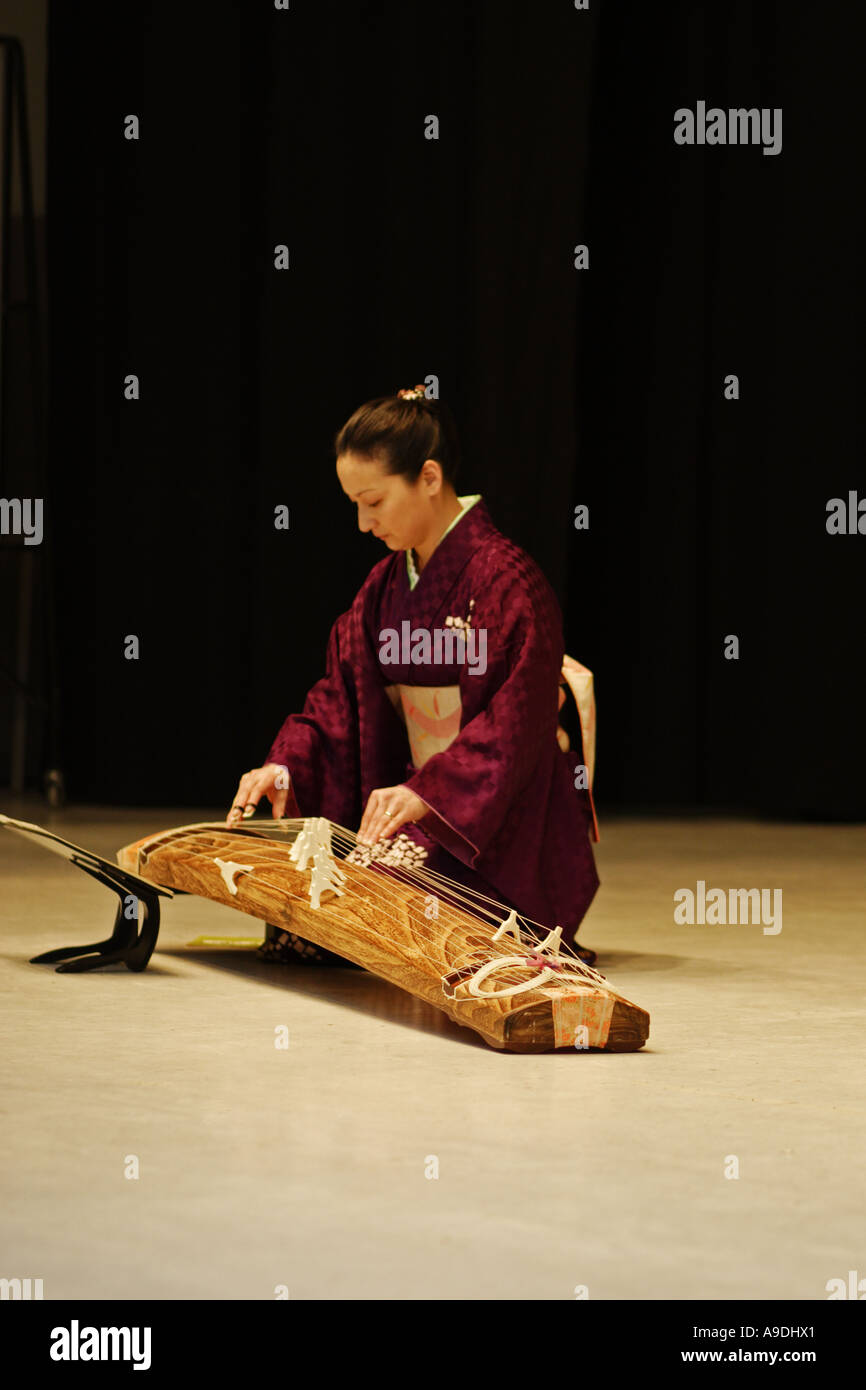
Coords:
465,504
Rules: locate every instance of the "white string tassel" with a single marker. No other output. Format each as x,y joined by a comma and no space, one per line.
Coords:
483,971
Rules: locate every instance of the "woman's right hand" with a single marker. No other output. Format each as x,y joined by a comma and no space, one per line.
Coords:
272,781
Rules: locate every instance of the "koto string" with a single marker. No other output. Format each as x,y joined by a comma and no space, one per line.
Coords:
416,877
431,877
461,891
455,889
513,973
427,877
574,966
508,946
349,838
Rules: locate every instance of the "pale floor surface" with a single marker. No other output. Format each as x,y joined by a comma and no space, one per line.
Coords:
305,1167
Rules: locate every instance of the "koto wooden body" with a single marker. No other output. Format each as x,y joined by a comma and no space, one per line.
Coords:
383,924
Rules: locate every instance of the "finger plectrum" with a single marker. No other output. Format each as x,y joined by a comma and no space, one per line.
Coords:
249,811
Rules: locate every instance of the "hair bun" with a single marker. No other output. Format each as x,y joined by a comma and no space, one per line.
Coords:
401,431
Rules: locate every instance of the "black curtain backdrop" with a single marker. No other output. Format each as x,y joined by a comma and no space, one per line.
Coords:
454,258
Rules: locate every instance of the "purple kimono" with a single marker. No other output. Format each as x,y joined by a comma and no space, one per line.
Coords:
505,816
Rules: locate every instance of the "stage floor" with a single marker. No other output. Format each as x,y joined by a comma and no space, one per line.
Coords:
307,1167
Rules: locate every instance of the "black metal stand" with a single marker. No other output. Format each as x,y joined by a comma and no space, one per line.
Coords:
126,945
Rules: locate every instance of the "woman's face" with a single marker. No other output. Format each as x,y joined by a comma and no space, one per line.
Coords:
398,512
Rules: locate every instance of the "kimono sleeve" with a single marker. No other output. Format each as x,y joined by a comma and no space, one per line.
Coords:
319,746
502,761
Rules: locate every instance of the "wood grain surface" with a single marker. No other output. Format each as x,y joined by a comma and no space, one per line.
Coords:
380,924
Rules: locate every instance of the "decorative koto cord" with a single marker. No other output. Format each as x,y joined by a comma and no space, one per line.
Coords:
511,979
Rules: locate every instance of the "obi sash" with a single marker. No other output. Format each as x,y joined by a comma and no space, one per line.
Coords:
431,714
579,680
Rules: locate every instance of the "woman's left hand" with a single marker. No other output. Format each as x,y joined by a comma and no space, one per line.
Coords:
403,805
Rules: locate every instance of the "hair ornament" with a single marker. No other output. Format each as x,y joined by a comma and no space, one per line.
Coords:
412,393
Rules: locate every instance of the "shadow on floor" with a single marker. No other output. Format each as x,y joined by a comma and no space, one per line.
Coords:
366,993
358,990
